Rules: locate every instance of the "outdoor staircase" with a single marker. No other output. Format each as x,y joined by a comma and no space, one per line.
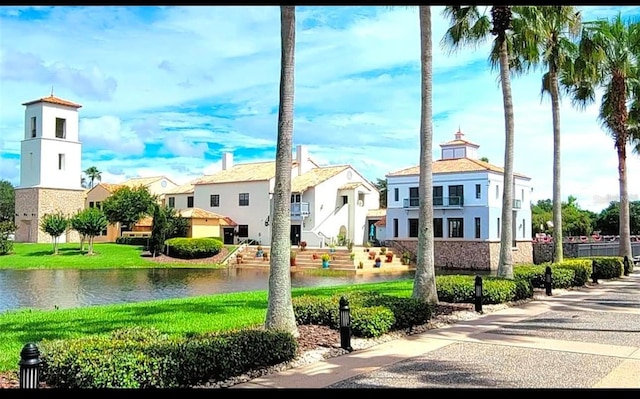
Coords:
340,259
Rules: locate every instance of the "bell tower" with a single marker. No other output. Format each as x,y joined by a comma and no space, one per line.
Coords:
50,166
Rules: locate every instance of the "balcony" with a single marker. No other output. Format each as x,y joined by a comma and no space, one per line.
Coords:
299,209
438,202
517,204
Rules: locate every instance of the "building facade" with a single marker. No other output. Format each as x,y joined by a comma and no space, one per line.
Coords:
467,201
50,168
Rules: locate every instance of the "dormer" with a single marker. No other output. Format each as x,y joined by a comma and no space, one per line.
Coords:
459,148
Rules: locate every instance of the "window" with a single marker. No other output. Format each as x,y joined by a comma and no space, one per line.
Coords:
455,195
243,199
498,227
522,195
60,161
477,227
396,194
33,126
456,228
360,199
524,229
190,201
345,200
98,204
413,227
395,227
172,202
414,196
61,128
214,200
497,191
437,195
243,230
295,198
437,227
478,191
91,204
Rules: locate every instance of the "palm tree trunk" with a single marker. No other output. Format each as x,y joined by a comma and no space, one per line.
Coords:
505,264
424,283
280,314
558,254
625,220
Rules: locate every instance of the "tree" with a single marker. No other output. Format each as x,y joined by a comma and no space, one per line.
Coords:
54,224
89,222
7,201
608,61
158,230
93,174
381,185
547,34
470,27
280,315
484,159
6,228
128,205
608,220
424,281
177,225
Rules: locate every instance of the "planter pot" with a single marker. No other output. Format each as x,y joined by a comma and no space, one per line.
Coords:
293,262
377,264
325,264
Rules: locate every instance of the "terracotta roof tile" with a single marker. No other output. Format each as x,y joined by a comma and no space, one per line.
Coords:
314,177
110,187
142,181
351,186
381,222
255,171
457,165
54,100
198,213
187,188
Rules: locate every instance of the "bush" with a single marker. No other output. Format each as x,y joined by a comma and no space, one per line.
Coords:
193,248
607,267
139,241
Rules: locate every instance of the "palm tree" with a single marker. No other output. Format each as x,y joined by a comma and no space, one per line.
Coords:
608,61
93,174
470,27
546,37
280,314
424,282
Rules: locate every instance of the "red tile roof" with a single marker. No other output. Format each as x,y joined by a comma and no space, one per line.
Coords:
54,100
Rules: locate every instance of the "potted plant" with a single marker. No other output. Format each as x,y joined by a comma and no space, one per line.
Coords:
367,245
325,260
293,258
265,256
332,247
389,256
383,250
378,262
314,256
259,252
239,258
352,256
372,255
349,245
303,245
360,265
406,258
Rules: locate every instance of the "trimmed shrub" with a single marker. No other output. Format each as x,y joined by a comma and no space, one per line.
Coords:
193,248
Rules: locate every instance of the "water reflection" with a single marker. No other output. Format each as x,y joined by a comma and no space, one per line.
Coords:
69,288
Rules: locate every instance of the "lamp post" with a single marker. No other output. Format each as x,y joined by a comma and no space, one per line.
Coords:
626,265
345,325
478,293
594,276
29,366
547,280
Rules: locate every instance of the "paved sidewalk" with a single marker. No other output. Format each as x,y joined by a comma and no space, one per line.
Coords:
583,338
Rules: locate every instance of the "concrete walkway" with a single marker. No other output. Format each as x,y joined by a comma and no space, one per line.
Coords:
583,338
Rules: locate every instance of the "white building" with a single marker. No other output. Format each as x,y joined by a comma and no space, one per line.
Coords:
467,198
326,202
50,170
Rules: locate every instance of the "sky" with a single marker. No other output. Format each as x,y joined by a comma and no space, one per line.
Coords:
167,90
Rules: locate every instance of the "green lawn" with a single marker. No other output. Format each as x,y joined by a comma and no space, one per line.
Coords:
106,256
172,316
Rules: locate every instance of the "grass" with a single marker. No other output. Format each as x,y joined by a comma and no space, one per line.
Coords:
172,316
106,256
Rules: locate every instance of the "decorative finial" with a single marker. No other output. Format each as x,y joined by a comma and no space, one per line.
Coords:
51,90
459,134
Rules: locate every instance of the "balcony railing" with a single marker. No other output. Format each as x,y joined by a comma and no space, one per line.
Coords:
299,209
517,204
443,202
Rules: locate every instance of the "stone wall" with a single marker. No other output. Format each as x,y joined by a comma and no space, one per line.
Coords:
467,255
33,203
543,251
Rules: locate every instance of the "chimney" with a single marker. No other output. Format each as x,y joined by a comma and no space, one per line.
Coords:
227,160
302,157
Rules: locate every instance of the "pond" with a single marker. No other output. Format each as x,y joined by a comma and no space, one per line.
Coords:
71,288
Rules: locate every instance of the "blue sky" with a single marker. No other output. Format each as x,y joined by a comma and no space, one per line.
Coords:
166,90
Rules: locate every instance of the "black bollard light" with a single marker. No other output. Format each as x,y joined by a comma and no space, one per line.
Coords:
478,294
30,366
594,276
345,325
626,265
547,280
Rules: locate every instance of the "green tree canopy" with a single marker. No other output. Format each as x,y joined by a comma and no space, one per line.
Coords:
89,223
381,185
608,221
128,205
7,201
54,224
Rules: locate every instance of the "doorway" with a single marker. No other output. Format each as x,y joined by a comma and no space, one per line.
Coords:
227,236
295,234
